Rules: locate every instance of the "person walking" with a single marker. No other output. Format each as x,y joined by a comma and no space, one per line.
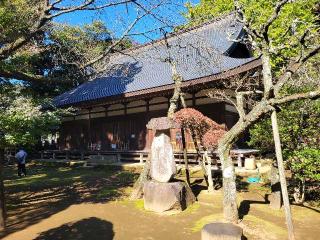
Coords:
21,160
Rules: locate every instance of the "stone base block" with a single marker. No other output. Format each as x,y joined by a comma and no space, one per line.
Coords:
275,200
250,164
221,231
161,197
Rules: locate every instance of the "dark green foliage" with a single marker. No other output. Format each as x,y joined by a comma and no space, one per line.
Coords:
284,33
305,164
21,120
299,124
55,58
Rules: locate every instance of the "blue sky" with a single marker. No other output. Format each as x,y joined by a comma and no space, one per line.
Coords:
117,19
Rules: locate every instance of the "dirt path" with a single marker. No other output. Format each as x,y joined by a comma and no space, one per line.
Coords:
83,204
109,221
125,220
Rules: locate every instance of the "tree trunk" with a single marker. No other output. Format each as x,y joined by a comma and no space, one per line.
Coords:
177,95
199,157
138,186
230,208
268,93
282,176
185,157
209,172
299,192
177,79
2,196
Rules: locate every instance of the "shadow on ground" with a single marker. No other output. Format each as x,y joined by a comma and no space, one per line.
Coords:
244,207
91,228
51,189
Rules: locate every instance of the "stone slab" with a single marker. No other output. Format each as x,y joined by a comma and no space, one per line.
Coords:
161,197
163,165
221,231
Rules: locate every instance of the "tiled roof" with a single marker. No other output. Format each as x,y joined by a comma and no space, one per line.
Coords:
197,53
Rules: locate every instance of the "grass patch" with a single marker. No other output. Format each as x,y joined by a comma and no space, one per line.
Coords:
43,176
267,210
139,204
28,180
198,225
126,177
300,213
258,187
191,209
266,227
106,193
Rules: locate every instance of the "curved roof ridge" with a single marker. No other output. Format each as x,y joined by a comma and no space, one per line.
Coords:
182,31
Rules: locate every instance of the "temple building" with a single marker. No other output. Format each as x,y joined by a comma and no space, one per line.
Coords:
113,109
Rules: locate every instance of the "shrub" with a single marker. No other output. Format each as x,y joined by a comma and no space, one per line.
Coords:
205,129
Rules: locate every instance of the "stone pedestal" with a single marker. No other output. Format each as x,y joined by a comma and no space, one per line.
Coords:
250,164
221,231
161,197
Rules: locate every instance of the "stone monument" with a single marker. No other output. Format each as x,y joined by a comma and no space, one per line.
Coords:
162,193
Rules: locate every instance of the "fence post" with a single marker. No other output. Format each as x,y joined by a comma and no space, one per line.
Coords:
118,157
240,160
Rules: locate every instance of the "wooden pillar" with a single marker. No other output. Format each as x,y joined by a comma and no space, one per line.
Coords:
118,157
141,158
193,99
147,105
240,156
67,155
125,108
89,129
106,109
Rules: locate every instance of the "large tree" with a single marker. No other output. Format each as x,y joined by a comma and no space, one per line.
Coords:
22,123
285,35
36,49
299,130
49,58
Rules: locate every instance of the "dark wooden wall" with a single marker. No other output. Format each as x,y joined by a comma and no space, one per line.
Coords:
128,132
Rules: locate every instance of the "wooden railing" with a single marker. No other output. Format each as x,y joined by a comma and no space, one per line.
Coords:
238,156
120,156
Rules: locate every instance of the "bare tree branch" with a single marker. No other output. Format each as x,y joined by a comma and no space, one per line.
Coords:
293,67
44,18
21,75
265,27
85,6
242,18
